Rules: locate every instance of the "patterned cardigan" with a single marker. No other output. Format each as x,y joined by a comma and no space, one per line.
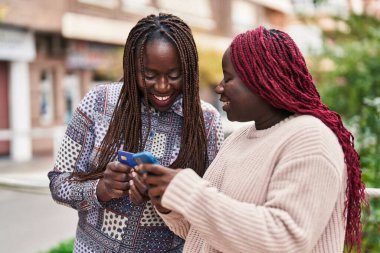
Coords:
119,225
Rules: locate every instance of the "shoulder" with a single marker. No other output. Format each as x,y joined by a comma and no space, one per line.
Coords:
209,110
104,89
239,133
111,90
308,135
103,95
211,117
100,97
309,125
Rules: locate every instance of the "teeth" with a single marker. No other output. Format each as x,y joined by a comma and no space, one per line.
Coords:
226,103
162,98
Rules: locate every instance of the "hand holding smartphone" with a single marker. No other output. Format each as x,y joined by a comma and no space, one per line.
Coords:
145,157
133,160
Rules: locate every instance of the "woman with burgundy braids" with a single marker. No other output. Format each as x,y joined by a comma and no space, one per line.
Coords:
157,108
289,182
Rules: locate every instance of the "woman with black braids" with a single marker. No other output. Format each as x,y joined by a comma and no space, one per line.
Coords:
155,108
290,182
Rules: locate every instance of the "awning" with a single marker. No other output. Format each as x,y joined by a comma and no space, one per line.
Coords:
16,44
90,28
284,6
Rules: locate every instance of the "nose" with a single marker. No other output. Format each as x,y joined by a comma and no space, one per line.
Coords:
162,85
220,87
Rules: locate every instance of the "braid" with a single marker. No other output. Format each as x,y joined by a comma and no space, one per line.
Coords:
271,65
193,150
125,128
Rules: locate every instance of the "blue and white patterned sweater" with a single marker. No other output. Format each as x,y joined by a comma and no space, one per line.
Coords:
119,225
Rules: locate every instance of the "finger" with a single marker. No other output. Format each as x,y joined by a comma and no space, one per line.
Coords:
155,192
114,185
119,167
136,196
116,176
132,197
156,202
141,187
163,179
113,173
154,169
154,179
115,194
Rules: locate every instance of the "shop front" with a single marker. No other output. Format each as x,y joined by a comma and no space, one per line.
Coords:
17,49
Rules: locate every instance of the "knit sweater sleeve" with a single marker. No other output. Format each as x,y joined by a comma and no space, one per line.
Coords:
176,223
74,156
301,197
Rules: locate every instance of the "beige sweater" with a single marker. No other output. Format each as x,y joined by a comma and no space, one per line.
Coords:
276,190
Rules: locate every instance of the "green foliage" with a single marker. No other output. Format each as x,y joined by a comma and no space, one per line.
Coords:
355,54
112,67
210,67
63,247
352,89
368,146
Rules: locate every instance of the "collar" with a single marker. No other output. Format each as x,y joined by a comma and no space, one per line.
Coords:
176,107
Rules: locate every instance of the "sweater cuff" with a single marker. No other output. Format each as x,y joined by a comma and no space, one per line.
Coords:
173,215
181,190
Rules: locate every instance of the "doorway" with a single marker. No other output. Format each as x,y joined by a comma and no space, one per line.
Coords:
4,107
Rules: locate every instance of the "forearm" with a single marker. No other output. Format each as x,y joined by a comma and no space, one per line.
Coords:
74,156
78,195
234,226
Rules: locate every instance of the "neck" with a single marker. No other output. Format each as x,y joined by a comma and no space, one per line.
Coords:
271,119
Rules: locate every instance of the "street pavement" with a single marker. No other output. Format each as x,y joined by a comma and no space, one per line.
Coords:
30,221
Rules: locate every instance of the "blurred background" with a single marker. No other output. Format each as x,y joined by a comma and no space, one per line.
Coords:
53,52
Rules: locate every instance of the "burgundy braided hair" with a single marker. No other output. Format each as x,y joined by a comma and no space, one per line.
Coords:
271,65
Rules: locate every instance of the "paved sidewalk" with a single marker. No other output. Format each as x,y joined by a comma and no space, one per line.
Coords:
31,221
28,176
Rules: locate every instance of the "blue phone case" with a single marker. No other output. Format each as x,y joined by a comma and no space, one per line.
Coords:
144,157
126,158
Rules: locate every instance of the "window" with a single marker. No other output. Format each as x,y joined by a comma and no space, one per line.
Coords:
243,16
72,95
196,13
46,105
144,7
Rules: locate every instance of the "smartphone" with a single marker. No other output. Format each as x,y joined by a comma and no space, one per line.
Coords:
126,158
145,157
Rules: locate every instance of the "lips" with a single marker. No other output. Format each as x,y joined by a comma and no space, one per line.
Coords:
161,98
226,104
162,102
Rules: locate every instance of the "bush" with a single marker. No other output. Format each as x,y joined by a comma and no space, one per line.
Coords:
351,89
63,247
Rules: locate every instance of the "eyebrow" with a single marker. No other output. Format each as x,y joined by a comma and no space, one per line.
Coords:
170,70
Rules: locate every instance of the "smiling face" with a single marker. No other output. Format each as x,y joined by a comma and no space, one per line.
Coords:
163,75
240,103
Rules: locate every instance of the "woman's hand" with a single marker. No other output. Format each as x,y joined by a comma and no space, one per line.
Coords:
157,178
115,182
138,191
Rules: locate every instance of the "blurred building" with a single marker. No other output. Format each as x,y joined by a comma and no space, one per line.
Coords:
53,52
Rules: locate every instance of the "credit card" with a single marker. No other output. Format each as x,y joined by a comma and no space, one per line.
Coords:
126,158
